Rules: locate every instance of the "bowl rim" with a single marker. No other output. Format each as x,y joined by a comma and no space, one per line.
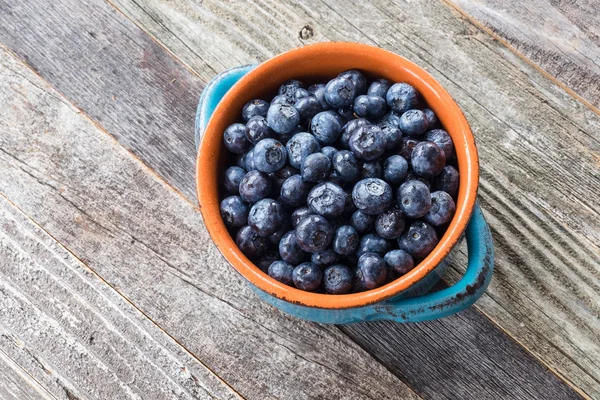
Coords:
437,99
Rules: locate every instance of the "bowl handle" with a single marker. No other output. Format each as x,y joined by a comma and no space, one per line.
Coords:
458,296
213,93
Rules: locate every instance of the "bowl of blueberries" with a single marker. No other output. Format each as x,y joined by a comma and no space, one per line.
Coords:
337,179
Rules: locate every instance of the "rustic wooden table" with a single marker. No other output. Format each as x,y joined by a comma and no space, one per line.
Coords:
110,287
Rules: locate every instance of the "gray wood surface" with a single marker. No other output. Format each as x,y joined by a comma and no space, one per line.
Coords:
561,36
15,383
78,337
147,242
538,145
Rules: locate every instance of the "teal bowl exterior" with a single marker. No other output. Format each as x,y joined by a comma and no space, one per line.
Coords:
414,304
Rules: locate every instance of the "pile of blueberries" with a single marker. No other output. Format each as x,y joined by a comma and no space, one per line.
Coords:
339,187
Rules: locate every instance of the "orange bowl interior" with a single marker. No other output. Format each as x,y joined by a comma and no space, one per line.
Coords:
319,63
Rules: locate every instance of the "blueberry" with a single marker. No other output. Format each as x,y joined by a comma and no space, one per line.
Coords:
347,114
346,166
289,250
371,170
390,224
395,169
371,107
235,139
442,139
418,240
414,199
307,276
255,185
240,160
362,222
428,159
372,196
324,258
347,130
442,209
301,93
276,237
326,127
257,129
390,128
447,181
233,177
413,176
266,260
399,261
318,90
407,145
329,151
345,240
298,215
402,97
357,78
372,243
367,143
327,199
431,118
308,107
413,122
250,243
314,233
283,99
254,108
316,168
280,176
337,279
379,88
294,191
371,270
340,92
234,211
269,155
300,146
283,118
349,206
250,161
266,217
282,272
289,88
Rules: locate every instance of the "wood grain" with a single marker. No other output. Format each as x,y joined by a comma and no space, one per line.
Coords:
148,242
16,383
77,336
561,36
117,63
538,145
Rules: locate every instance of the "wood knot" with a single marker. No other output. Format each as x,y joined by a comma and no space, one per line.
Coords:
306,32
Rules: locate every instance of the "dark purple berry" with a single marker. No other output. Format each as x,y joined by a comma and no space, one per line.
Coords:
447,181
347,130
269,155
266,217
327,199
345,240
234,211
372,196
283,118
357,78
257,129
390,224
346,166
432,119
282,272
300,146
324,258
367,143
370,107
254,108
314,233
362,222
442,209
308,107
419,240
428,159
337,279
250,243
294,191
390,129
371,270
316,168
402,97
379,88
395,170
399,261
255,185
233,177
326,127
414,199
298,215
372,243
235,139
442,139
289,250
371,169
307,276
413,122
340,92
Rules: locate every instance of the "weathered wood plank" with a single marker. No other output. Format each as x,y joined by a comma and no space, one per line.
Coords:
148,242
78,336
116,65
559,36
15,383
538,147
